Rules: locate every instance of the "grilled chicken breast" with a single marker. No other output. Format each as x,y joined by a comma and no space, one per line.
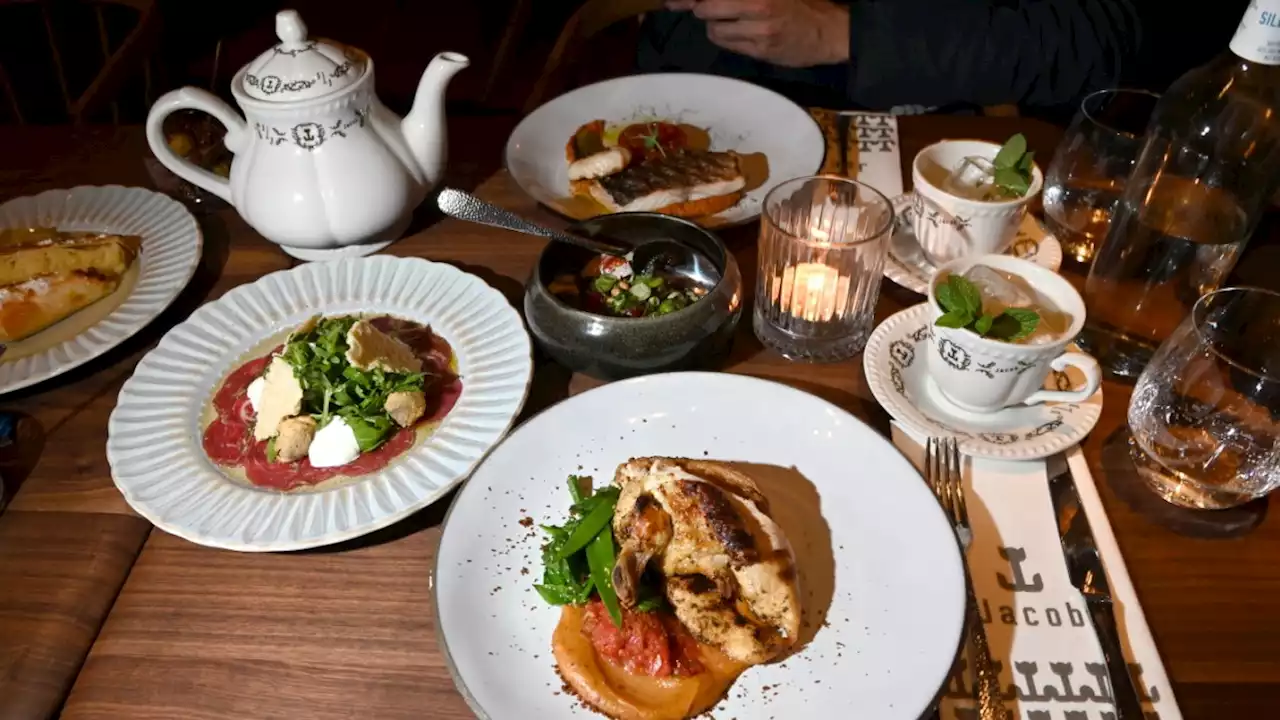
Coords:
727,569
681,178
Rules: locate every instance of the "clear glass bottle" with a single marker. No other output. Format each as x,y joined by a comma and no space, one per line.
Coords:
1209,166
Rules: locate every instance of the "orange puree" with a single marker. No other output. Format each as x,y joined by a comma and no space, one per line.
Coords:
635,678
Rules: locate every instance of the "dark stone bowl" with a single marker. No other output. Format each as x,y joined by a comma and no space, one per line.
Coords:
612,348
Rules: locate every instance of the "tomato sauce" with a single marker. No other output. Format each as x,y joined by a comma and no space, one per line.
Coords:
652,140
648,643
229,442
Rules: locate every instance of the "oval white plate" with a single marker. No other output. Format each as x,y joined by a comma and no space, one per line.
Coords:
906,265
154,434
739,116
874,548
171,246
895,365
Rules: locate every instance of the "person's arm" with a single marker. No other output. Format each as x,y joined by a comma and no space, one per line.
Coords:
992,52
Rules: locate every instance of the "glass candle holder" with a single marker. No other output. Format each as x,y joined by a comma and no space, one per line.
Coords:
822,246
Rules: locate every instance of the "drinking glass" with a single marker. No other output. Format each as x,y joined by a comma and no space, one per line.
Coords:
822,246
1090,167
1205,415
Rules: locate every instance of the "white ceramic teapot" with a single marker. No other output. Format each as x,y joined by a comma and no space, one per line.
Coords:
321,167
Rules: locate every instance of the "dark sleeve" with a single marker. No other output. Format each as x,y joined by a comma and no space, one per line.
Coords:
988,52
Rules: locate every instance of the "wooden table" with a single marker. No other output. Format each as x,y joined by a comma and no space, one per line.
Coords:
346,632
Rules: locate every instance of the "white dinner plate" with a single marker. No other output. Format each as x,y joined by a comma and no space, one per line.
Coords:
884,590
154,434
739,116
171,247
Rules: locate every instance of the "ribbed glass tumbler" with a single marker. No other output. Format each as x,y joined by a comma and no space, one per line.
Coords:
822,246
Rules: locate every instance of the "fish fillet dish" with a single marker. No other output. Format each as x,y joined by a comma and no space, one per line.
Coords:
673,580
651,166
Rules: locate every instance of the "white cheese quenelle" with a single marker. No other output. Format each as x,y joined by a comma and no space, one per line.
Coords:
334,444
254,391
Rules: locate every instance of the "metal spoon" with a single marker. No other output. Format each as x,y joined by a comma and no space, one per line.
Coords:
465,206
660,253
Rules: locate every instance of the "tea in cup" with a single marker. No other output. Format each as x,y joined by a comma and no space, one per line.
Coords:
965,202
1000,325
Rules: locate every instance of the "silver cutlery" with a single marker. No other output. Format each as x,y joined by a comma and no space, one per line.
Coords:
465,206
842,132
673,257
942,472
1084,565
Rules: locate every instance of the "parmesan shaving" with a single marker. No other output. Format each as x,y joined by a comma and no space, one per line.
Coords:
281,399
368,348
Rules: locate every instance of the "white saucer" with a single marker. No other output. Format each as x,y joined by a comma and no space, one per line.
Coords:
895,365
906,265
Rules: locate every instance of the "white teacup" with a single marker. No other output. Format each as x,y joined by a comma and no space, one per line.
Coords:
949,227
982,375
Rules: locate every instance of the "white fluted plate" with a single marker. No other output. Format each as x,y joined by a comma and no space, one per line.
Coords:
906,264
154,434
171,247
896,367
879,569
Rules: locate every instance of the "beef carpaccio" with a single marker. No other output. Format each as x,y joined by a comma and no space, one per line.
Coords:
229,438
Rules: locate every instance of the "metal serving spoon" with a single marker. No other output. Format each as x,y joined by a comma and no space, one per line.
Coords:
663,253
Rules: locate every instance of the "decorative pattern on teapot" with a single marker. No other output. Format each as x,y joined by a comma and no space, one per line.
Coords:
272,84
321,167
311,135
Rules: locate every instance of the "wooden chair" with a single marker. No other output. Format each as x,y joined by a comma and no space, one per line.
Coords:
121,62
593,17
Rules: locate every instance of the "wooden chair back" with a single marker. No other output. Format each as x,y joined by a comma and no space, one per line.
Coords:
127,33
590,20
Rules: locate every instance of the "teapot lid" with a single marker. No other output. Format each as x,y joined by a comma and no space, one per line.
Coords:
300,68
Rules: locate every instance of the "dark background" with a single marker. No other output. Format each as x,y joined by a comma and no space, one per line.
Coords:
401,36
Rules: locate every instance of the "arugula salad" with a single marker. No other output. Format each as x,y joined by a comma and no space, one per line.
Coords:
332,386
338,388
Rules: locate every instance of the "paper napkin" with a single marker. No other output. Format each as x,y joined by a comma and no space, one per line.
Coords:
878,157
1039,632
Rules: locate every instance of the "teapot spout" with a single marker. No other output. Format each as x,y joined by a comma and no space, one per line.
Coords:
424,127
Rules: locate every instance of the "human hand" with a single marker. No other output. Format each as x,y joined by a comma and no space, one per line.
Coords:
791,33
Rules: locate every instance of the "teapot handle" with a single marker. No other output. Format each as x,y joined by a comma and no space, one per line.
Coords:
189,98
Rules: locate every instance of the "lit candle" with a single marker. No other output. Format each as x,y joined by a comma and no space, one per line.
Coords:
809,291
820,238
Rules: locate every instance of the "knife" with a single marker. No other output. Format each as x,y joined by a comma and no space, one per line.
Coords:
842,134
1084,565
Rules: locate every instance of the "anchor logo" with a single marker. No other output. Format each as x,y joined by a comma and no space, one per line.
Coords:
308,135
954,355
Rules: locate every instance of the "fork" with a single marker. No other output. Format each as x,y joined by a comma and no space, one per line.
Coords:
942,472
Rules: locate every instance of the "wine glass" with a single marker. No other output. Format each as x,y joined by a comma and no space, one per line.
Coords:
1205,414
1090,167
